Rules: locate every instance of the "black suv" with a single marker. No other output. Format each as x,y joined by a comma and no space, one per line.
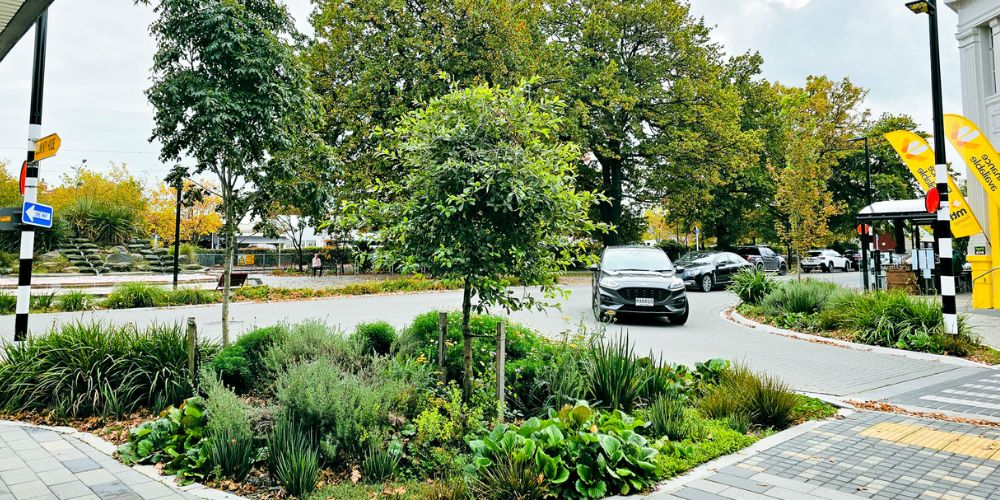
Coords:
640,280
764,259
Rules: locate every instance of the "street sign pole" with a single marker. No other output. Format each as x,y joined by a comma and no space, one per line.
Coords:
31,181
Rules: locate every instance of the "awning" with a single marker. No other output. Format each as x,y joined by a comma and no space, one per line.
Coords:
911,210
16,16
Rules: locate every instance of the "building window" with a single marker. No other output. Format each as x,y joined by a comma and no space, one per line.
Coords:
992,34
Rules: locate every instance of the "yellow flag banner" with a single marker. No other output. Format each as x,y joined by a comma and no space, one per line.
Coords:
977,151
919,158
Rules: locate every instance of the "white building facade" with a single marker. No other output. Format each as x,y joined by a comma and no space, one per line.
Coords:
979,47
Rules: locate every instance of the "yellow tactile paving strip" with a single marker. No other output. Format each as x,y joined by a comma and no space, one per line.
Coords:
952,442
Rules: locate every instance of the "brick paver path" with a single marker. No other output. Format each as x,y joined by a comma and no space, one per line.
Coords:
38,463
866,455
975,395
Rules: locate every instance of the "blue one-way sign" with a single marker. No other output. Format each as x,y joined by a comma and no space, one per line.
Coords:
36,214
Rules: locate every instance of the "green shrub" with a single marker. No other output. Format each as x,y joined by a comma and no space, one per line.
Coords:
231,442
717,439
751,285
104,223
667,416
509,477
739,423
346,409
43,301
579,452
177,440
765,400
241,365
135,294
379,464
191,251
556,380
808,297
310,340
375,338
8,303
293,458
74,300
190,296
421,337
616,379
94,369
895,319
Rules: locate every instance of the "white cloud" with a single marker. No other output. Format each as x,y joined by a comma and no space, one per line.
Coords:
790,4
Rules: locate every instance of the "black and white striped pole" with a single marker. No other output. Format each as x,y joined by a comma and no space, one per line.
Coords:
942,226
31,181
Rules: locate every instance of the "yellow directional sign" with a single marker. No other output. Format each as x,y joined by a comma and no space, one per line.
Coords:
47,147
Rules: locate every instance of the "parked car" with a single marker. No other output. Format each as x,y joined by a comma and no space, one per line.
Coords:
825,260
854,259
706,270
641,280
764,259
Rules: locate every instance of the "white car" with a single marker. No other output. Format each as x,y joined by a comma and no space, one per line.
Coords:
826,261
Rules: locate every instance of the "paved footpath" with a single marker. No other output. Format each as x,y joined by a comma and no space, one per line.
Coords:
865,455
39,463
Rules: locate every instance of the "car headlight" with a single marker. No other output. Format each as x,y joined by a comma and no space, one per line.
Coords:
676,284
609,283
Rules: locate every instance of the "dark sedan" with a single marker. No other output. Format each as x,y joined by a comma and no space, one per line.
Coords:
706,270
639,280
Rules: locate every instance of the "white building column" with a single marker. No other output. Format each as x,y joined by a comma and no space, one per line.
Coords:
972,54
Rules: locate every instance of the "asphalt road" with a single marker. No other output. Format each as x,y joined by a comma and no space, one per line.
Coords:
807,366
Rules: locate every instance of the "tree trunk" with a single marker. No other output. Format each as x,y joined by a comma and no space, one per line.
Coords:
227,273
611,211
466,341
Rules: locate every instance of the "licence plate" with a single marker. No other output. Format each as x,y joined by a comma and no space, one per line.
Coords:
644,301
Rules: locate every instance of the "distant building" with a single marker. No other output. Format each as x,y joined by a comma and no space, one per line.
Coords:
978,40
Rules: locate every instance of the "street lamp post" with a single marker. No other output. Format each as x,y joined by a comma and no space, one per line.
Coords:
866,237
942,226
176,176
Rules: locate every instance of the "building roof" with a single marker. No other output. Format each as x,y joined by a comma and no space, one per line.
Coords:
16,16
912,210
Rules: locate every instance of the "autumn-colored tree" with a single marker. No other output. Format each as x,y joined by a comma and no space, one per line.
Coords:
199,215
117,187
818,122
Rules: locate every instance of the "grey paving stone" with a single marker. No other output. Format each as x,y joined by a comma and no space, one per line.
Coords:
152,490
696,494
56,476
81,465
94,477
113,489
44,464
70,489
17,476
739,482
29,490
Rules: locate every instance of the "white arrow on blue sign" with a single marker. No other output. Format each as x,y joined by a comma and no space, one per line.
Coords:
36,214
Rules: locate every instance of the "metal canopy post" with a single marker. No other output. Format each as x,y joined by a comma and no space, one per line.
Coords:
31,180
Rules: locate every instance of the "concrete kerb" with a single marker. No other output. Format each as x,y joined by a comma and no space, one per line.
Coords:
733,316
195,489
708,468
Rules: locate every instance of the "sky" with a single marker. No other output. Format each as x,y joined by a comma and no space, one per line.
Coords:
100,52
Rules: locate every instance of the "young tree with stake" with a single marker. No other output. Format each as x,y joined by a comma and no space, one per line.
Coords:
489,194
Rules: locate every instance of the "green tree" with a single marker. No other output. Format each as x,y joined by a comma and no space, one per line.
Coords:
646,94
891,180
489,194
741,206
227,91
819,120
373,61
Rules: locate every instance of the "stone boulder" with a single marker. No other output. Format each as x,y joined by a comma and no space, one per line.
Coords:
119,266
49,256
71,269
119,258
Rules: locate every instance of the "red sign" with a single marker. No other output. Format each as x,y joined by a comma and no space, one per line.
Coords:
864,227
933,200
24,174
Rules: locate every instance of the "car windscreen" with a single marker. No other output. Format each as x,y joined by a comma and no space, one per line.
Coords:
636,260
696,258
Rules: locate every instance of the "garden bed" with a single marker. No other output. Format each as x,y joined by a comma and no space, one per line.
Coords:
306,409
891,319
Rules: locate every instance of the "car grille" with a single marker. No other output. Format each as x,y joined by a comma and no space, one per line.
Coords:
634,293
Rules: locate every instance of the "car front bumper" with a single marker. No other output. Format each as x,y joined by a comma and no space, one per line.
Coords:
666,302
